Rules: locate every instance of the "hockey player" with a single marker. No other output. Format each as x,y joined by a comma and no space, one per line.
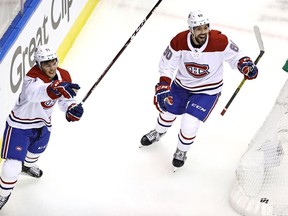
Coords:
196,57
28,125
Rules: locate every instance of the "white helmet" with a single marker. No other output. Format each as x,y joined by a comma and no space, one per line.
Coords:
44,53
196,18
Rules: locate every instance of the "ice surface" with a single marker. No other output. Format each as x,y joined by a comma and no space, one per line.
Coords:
95,168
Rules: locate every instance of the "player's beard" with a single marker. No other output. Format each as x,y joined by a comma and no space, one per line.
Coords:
201,40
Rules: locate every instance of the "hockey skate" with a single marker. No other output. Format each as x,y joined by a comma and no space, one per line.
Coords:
34,171
3,200
179,159
151,137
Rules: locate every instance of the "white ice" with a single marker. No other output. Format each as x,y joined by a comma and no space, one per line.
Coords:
95,168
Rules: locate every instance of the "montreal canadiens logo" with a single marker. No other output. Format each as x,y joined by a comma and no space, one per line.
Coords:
197,70
48,104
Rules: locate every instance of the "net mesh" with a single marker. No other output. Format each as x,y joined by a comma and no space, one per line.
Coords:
261,186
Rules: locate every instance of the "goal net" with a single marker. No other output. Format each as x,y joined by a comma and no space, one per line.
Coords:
261,185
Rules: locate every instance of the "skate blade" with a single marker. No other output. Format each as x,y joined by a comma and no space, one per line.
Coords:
175,169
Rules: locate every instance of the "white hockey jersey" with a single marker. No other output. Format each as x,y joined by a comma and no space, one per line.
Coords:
34,106
199,70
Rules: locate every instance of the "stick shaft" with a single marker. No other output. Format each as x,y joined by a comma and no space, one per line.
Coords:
261,46
233,96
120,52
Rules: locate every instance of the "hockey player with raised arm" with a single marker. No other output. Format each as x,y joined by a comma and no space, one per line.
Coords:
191,80
28,126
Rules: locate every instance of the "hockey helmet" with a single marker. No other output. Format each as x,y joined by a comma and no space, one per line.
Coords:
196,18
44,53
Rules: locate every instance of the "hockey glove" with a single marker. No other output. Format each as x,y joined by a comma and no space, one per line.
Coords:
74,112
248,68
162,96
58,88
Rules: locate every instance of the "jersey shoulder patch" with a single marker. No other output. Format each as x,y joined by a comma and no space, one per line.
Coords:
179,42
217,42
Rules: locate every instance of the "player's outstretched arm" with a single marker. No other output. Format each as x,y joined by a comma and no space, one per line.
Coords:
58,88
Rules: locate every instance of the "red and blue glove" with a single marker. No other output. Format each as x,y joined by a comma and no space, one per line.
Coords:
162,95
58,88
74,112
247,68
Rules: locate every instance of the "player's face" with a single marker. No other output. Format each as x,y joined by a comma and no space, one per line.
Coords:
49,68
200,34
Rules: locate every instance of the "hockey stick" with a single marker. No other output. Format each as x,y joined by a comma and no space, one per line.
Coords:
120,52
261,47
